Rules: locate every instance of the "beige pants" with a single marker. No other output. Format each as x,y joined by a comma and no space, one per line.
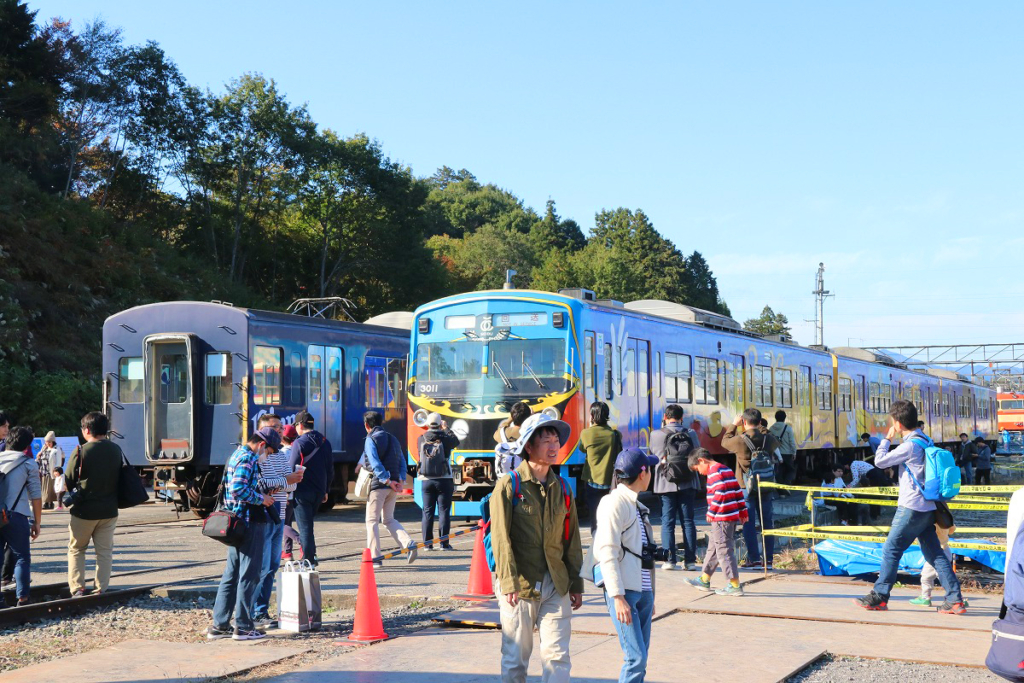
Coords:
101,533
380,509
551,616
49,495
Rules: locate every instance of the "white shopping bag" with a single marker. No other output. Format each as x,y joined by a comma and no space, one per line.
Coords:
298,598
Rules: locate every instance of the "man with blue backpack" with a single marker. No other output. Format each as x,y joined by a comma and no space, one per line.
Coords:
927,474
533,531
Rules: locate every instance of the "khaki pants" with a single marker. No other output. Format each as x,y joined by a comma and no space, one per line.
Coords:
380,508
49,496
551,616
101,533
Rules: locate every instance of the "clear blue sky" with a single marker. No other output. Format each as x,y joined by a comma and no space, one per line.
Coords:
883,139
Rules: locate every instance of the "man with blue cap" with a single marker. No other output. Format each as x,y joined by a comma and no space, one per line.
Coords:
623,557
535,537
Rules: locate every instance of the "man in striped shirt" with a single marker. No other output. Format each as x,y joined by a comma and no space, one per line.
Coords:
726,509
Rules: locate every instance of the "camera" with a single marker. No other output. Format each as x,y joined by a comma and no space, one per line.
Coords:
72,498
651,553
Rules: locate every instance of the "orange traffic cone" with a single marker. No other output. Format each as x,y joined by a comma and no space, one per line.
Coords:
480,585
368,626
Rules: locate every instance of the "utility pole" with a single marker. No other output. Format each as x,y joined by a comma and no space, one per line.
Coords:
820,294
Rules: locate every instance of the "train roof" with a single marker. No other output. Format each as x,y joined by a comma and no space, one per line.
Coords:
259,315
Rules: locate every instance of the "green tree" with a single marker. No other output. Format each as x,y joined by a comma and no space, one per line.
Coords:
768,323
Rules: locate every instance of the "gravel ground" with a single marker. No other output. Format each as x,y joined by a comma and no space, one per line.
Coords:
184,621
844,669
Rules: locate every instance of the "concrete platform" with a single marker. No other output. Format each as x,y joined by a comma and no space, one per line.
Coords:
150,660
596,658
793,598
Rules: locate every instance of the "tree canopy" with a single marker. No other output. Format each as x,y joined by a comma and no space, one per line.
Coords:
769,322
123,184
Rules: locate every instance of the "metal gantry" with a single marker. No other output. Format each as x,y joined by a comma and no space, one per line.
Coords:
330,308
997,365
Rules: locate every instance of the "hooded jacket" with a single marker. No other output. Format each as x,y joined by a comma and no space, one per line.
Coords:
313,451
20,471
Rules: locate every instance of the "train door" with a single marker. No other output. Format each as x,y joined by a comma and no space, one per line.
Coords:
736,383
806,390
860,394
643,384
315,387
169,397
632,427
333,406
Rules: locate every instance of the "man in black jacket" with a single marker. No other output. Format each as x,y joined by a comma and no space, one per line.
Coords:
94,468
314,452
435,475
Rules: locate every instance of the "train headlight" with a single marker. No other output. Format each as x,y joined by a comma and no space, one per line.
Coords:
552,412
419,418
461,429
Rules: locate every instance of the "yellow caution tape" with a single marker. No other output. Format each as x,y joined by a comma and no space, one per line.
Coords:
992,531
888,490
997,507
818,535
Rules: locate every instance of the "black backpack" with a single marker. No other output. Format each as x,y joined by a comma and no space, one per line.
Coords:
433,459
762,463
678,447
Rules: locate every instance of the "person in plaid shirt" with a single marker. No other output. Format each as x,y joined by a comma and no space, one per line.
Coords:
242,497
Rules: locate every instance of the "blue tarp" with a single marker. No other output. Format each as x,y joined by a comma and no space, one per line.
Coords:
850,558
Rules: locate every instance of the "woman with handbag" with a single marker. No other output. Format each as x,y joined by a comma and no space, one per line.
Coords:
623,559
246,506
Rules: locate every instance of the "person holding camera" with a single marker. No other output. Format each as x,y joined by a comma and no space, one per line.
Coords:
93,471
624,557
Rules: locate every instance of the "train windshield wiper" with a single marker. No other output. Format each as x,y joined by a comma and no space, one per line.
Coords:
508,384
534,375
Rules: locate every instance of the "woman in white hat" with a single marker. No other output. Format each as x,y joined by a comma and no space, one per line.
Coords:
50,456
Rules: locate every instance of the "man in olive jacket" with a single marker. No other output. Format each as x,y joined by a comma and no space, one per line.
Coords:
537,569
94,468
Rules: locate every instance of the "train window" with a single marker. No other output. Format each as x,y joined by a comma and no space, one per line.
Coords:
295,379
784,388
823,383
643,379
656,384
608,375
629,373
334,379
173,378
945,405
705,381
919,402
936,402
316,378
805,385
130,380
845,395
218,378
873,397
677,378
588,362
266,376
762,385
396,373
1017,404
886,397
450,361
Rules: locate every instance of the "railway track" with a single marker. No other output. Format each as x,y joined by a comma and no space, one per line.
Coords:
54,600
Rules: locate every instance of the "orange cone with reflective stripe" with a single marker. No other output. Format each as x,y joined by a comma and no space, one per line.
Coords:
480,587
368,626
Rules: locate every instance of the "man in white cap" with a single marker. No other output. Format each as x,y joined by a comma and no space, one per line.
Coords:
435,474
535,536
50,456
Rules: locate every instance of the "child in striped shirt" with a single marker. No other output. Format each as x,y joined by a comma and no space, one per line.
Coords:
726,509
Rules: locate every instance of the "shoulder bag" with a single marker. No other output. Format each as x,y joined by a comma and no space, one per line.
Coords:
130,489
224,526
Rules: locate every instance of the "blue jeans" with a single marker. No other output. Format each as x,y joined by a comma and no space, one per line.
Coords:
437,493
750,535
908,525
16,537
306,504
241,580
268,568
678,506
635,639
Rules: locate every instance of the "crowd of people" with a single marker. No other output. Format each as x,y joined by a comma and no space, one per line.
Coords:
283,474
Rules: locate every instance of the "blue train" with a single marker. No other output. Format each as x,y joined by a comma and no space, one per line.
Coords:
473,355
185,382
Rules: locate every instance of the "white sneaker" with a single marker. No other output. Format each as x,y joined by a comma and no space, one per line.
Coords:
669,566
691,567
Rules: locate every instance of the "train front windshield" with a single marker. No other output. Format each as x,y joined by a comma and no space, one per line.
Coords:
491,372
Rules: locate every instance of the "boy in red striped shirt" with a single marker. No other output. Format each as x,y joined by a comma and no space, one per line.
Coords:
726,509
